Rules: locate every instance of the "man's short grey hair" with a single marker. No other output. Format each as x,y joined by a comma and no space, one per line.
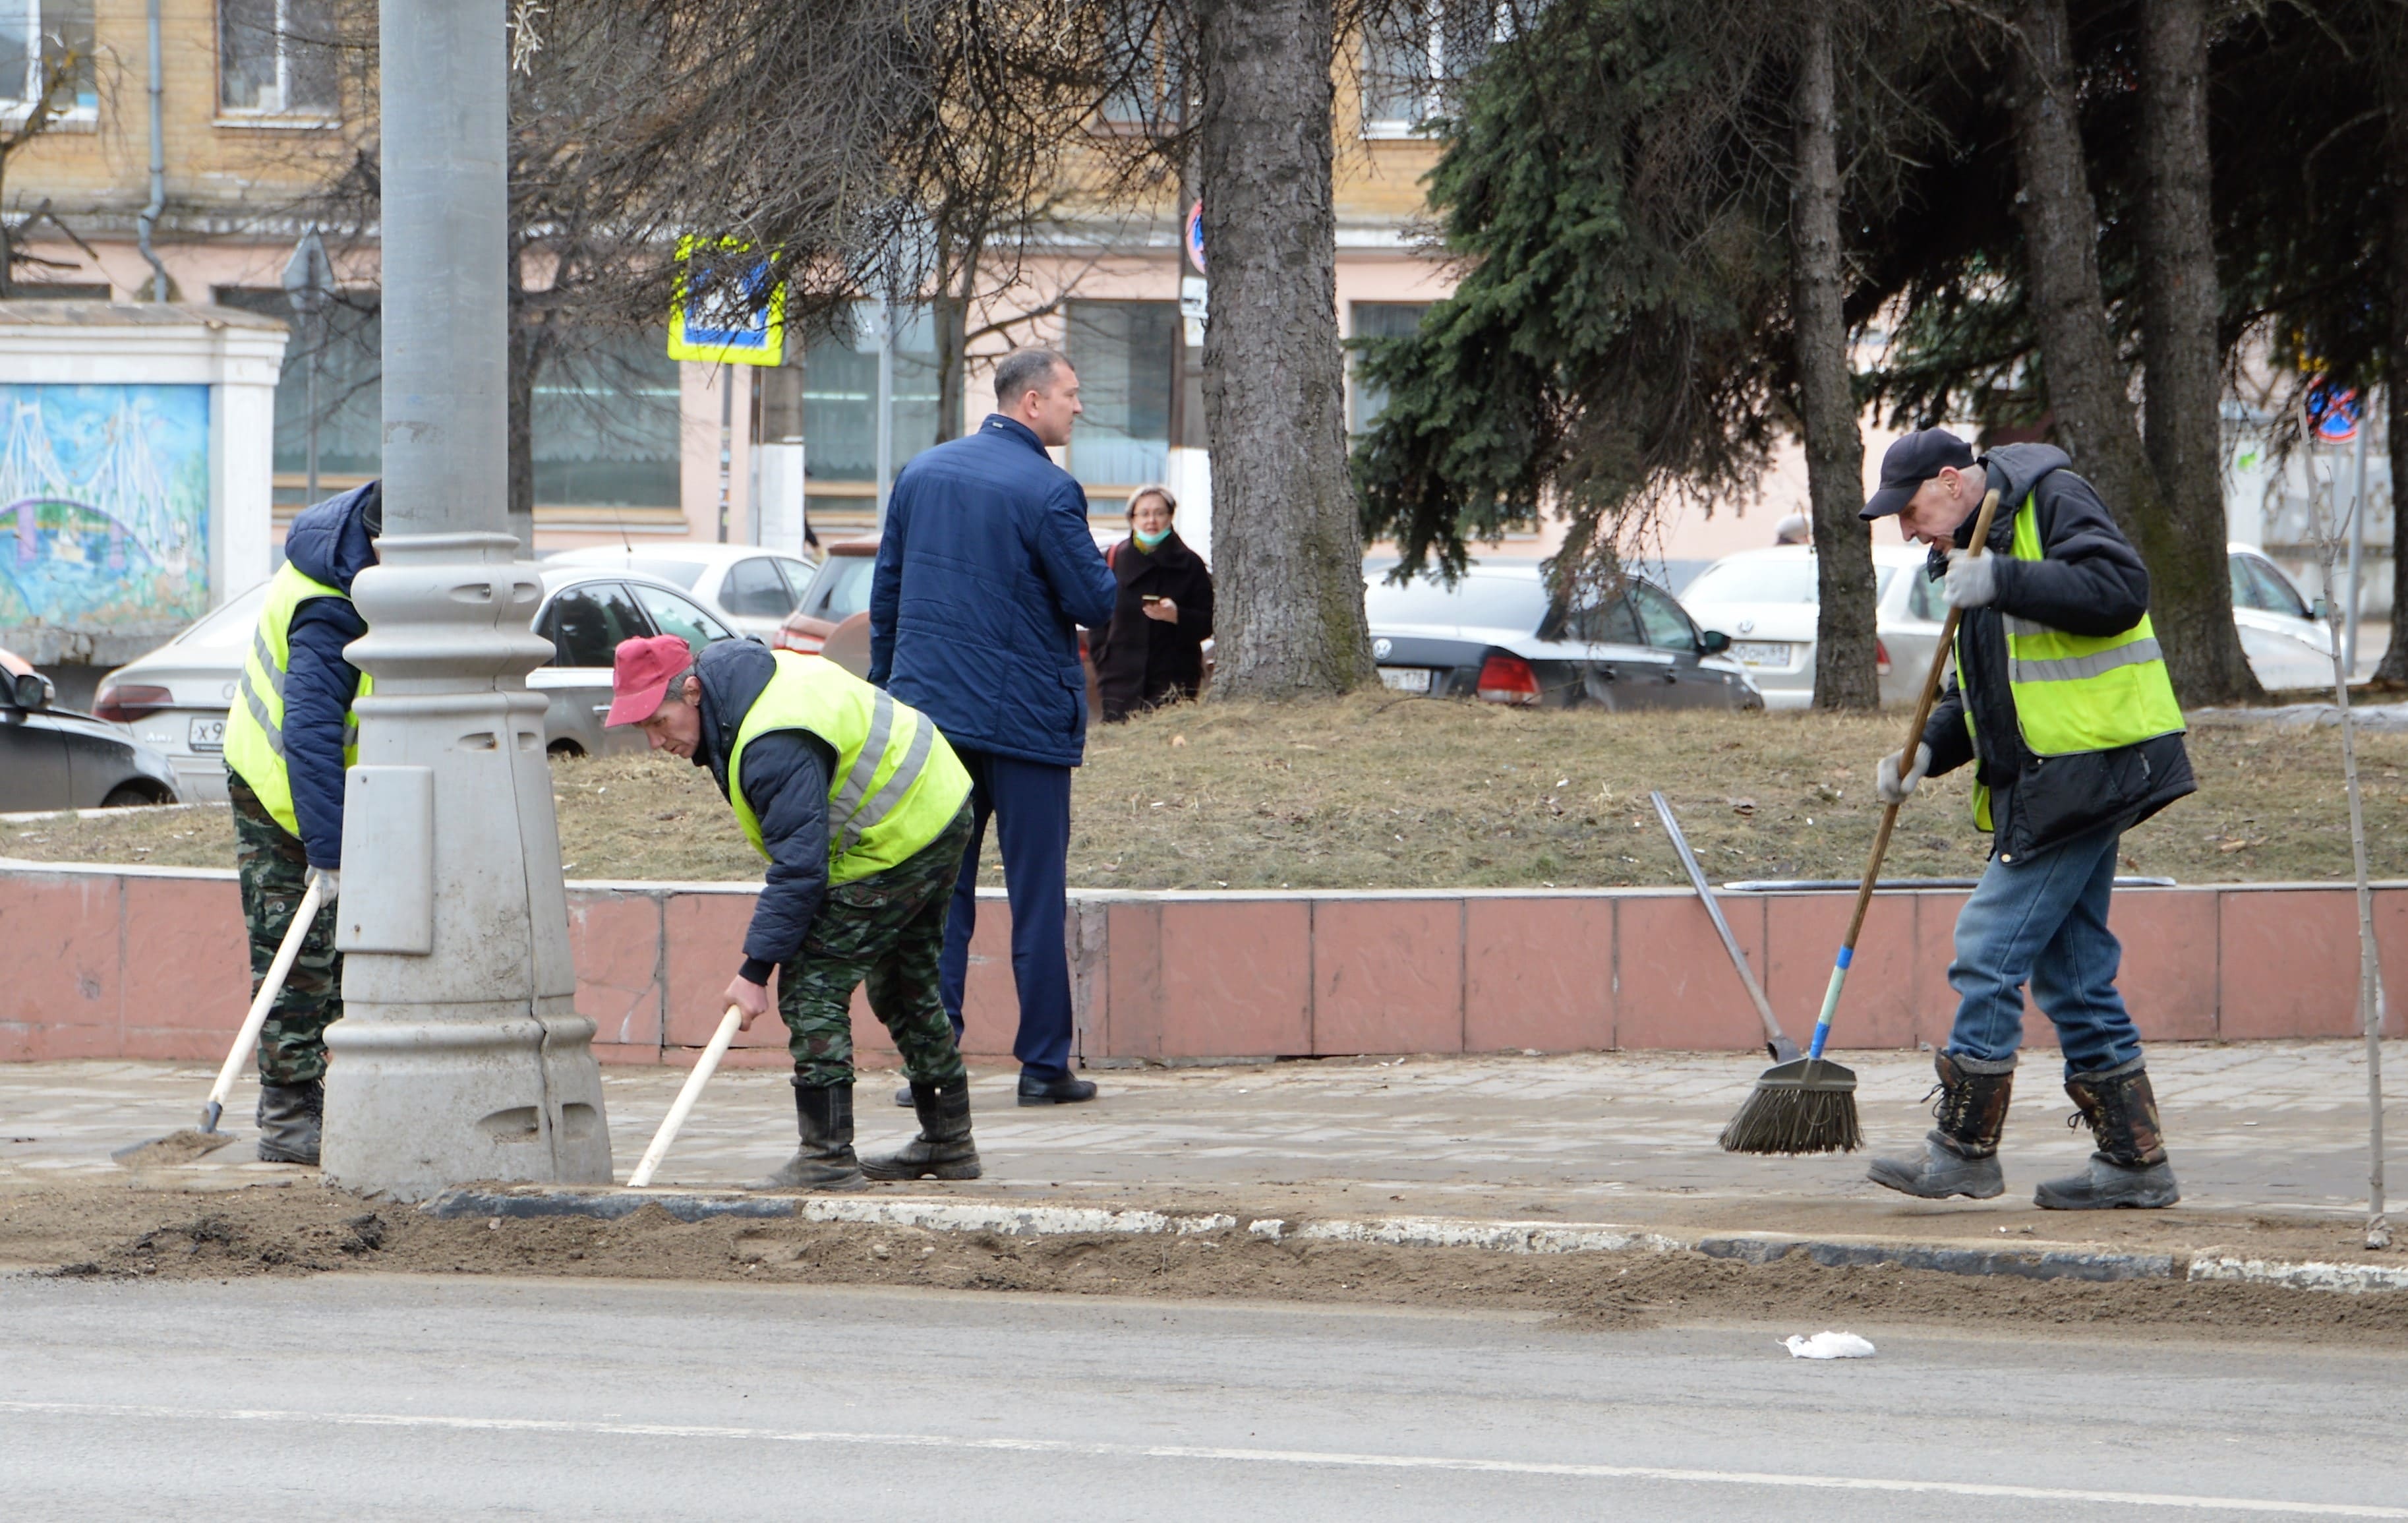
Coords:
1025,370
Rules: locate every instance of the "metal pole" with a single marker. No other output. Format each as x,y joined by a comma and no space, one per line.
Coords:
2356,542
885,405
315,327
726,440
460,1055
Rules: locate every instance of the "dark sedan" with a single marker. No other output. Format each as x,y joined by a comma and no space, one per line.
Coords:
1494,635
56,759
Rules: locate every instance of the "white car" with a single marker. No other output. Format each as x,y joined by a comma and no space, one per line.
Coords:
752,589
1765,601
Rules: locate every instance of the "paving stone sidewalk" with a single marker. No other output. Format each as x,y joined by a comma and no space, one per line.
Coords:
2263,1134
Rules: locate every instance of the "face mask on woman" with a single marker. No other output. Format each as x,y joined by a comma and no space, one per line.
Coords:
1147,541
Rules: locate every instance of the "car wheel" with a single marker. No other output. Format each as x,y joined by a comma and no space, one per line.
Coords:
135,796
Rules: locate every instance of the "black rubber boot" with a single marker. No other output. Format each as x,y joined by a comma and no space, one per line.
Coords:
2129,1169
1960,1155
290,1117
825,1161
943,1149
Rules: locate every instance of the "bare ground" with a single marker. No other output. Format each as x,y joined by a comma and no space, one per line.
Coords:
1367,793
304,1227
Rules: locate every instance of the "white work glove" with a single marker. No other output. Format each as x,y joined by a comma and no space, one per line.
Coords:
1973,579
330,885
1894,788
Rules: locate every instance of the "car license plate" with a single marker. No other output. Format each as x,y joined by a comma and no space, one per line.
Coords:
1760,652
1405,678
208,734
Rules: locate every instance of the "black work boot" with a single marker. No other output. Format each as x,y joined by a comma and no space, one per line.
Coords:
823,1116
1960,1155
1067,1090
290,1117
2129,1169
943,1149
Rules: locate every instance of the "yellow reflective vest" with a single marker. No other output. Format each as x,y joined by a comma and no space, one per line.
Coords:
2075,693
254,732
896,784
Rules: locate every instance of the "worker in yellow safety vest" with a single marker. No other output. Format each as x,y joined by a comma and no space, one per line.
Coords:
2061,701
289,737
862,812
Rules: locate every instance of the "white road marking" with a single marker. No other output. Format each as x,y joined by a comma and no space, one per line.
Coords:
1177,1451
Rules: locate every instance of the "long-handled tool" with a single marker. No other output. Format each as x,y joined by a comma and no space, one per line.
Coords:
1809,1105
703,1069
190,1144
1776,1041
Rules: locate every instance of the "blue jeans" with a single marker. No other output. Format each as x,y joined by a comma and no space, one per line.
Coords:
2044,919
1030,803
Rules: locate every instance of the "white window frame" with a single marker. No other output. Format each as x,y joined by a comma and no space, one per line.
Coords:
281,114
1433,24
14,109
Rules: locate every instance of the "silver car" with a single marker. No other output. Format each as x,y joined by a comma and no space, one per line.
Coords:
175,698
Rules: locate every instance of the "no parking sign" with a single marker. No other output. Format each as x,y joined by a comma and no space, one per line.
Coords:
2332,411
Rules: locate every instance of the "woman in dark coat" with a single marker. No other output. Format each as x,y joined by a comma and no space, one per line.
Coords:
1153,651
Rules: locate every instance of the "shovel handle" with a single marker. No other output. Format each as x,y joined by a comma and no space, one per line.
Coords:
303,916
703,1069
1922,707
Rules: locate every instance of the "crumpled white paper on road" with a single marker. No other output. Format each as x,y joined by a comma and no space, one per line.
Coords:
1828,1345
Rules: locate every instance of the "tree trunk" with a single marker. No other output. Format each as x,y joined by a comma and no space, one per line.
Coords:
2088,393
1287,550
524,360
951,309
2190,583
1844,642
2394,57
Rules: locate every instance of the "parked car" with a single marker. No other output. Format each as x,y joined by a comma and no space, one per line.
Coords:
1494,636
57,758
174,700
837,591
1767,600
751,589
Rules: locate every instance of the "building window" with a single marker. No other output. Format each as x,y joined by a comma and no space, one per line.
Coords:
348,342
46,48
277,58
1403,61
840,401
606,422
1126,356
1374,322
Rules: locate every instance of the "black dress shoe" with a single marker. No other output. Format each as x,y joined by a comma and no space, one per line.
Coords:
1063,1091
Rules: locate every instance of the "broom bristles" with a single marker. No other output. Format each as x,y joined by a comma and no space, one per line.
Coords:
1809,1106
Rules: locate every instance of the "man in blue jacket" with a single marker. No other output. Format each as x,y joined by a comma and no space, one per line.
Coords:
290,734
985,571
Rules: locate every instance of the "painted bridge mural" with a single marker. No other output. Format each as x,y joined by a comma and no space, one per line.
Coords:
104,505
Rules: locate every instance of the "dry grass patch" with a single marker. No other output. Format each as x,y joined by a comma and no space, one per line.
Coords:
1372,793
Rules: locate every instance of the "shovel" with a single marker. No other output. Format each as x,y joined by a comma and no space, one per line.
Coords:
190,1144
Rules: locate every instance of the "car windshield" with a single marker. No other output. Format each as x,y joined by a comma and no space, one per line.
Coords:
1782,581
842,588
228,628
1484,602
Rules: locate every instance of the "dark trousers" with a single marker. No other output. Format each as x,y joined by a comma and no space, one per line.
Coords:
1031,805
274,879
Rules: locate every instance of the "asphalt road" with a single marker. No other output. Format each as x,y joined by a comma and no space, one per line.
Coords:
352,1395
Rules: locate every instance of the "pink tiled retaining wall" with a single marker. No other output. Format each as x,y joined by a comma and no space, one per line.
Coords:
140,962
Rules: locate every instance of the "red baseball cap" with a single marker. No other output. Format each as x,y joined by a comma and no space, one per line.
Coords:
640,674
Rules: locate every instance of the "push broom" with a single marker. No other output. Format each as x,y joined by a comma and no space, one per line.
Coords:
1809,1105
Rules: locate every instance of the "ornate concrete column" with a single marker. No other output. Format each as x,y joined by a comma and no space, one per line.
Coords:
459,1056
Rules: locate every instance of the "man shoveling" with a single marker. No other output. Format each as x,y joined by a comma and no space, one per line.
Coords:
862,811
2061,700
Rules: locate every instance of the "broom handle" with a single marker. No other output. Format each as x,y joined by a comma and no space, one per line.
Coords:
674,1121
1923,707
305,915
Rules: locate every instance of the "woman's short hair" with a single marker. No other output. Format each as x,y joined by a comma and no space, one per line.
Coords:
1170,503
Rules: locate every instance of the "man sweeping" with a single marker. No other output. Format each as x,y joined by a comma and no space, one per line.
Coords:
289,737
863,811
2061,701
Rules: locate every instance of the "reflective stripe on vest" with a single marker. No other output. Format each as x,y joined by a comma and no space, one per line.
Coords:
255,736
896,784
2076,693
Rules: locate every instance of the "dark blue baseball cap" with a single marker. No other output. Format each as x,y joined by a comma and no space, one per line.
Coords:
1914,460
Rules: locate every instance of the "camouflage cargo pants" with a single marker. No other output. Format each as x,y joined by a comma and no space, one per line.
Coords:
886,930
275,872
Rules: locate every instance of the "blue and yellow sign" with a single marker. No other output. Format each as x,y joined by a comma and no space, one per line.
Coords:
727,314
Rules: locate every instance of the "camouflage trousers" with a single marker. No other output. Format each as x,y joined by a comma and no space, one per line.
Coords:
886,930
275,872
